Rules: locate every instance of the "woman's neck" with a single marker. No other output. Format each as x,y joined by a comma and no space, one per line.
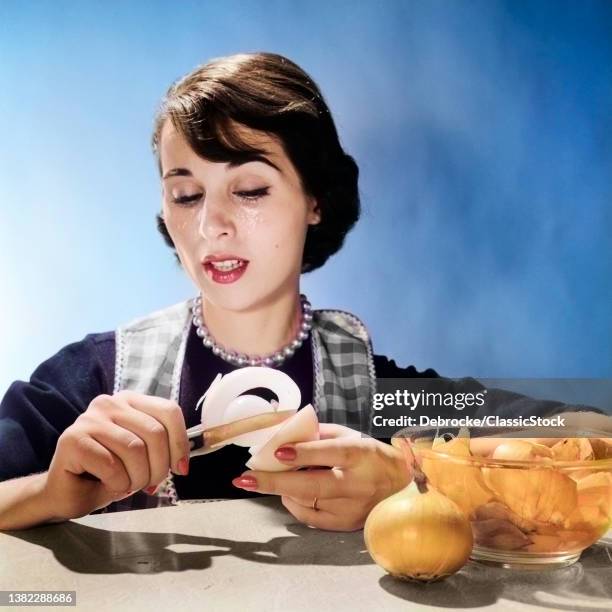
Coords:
260,331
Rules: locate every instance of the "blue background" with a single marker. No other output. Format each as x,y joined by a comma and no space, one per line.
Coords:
482,130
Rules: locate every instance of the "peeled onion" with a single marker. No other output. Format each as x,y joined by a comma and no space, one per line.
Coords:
521,450
224,403
301,427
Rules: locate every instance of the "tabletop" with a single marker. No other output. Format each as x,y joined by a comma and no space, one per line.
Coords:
251,554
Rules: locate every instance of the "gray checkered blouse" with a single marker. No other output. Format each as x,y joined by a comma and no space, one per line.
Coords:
149,359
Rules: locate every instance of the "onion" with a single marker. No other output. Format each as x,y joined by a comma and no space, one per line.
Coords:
521,450
223,403
418,533
301,427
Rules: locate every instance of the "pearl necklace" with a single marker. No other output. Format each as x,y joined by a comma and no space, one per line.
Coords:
241,360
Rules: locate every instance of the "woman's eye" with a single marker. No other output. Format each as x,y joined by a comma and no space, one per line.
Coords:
187,199
252,195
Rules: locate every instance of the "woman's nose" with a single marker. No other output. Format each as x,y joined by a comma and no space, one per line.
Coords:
215,219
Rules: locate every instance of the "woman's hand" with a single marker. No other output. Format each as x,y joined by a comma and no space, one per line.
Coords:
363,472
126,442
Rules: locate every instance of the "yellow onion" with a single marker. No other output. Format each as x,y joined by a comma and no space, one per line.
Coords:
418,533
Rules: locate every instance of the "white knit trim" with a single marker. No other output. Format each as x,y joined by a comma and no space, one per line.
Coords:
119,359
316,350
168,486
180,360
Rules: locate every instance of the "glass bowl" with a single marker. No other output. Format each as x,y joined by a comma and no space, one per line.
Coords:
536,512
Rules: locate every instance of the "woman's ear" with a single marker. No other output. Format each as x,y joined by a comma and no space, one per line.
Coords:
314,213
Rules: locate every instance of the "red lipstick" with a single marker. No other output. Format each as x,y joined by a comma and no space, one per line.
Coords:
229,271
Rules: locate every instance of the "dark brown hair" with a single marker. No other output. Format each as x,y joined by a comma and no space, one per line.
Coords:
268,92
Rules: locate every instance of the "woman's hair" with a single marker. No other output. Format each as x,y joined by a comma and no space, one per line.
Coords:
270,93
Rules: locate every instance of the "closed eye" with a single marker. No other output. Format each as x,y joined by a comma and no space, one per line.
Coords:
253,195
187,199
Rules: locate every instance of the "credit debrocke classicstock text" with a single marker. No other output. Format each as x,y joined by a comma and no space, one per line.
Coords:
433,402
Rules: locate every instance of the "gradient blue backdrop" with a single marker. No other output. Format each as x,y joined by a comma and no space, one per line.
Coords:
483,131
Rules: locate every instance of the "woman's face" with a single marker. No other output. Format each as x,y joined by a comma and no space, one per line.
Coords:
252,217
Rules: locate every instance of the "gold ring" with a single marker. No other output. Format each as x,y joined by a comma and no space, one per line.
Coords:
314,503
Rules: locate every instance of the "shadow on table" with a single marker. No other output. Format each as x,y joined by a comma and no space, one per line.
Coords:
586,585
90,550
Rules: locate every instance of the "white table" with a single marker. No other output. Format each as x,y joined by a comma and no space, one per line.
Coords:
252,555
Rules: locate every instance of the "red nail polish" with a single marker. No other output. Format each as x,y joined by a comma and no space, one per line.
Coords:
150,490
183,466
245,482
285,453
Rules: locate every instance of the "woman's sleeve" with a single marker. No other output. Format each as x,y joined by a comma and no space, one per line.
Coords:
33,414
387,368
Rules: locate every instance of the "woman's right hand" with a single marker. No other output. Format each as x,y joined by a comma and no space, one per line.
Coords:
127,441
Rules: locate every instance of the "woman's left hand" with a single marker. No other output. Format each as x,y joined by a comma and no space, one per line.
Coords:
363,472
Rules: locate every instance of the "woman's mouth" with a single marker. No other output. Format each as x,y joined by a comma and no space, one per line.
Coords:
226,271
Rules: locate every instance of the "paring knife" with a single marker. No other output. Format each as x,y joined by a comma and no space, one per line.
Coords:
214,438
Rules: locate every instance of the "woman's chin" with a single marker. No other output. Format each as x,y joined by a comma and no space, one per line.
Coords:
231,299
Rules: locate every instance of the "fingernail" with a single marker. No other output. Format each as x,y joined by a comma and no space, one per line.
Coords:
183,466
150,490
245,482
285,453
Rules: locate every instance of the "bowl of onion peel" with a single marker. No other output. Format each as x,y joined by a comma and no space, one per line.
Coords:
533,503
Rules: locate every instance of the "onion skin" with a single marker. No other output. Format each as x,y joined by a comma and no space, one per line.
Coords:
602,448
573,449
536,494
463,484
421,536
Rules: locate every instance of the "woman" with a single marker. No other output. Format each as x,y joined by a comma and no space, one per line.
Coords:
256,190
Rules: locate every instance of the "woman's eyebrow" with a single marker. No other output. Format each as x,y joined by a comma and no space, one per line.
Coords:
253,157
232,164
177,172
